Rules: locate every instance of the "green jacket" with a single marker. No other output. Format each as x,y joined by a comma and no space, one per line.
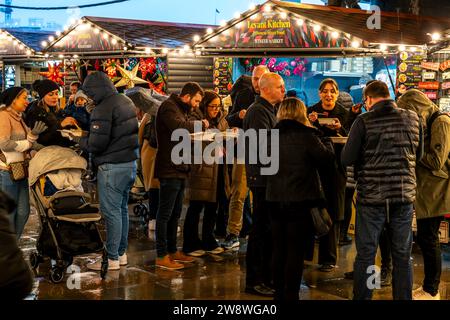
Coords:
433,171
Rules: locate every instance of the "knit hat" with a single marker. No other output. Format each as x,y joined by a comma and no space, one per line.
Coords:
7,97
43,87
80,94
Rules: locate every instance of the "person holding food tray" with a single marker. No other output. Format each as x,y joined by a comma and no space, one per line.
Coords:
46,110
333,120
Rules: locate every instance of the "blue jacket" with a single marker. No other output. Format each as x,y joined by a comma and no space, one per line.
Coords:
113,136
78,113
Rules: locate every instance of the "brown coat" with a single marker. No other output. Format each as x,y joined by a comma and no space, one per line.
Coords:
433,171
148,157
204,178
172,114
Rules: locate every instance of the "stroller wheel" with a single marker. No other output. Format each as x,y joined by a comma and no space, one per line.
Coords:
137,210
56,275
35,259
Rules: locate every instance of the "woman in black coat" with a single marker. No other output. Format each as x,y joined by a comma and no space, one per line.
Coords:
46,110
333,177
292,192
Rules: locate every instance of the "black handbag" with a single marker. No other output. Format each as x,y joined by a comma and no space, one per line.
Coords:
321,221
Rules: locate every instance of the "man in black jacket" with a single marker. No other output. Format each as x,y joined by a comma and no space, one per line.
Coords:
16,279
113,143
242,95
384,144
261,116
173,114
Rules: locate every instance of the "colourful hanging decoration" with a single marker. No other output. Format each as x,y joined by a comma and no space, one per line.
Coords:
130,63
110,66
129,78
147,66
54,73
85,64
282,66
97,64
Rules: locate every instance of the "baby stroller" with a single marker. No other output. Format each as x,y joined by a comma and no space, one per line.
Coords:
67,219
139,196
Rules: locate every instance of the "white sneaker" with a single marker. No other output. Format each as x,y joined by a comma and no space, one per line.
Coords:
217,250
196,253
420,294
97,266
123,259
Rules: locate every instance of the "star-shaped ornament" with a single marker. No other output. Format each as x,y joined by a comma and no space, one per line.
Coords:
129,78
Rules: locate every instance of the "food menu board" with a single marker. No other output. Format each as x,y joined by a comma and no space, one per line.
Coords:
223,75
409,70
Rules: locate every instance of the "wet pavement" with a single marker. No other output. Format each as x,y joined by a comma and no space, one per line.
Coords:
210,277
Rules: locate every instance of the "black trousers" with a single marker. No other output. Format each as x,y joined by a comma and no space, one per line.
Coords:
428,241
191,240
385,250
259,247
291,230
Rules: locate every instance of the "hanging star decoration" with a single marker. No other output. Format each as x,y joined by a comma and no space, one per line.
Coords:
85,64
110,66
54,73
146,66
129,78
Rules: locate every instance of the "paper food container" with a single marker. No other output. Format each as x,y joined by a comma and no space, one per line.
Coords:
339,139
327,121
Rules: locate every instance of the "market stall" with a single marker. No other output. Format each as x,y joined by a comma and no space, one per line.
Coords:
306,43
132,52
21,57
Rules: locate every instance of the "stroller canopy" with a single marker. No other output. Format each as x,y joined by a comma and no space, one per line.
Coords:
54,158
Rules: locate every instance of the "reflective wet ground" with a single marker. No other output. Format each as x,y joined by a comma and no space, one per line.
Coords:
210,277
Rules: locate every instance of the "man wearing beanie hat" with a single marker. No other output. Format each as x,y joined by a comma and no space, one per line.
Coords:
46,110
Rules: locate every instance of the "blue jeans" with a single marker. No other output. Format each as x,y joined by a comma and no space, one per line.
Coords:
18,191
171,195
370,221
114,181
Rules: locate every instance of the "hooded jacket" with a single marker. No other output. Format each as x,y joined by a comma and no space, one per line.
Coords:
432,172
113,136
242,96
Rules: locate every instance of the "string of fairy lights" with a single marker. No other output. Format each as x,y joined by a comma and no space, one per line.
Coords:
210,34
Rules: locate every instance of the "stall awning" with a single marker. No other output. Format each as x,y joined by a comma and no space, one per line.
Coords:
278,28
13,46
94,35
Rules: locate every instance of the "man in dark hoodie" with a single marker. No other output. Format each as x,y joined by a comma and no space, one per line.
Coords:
113,143
16,279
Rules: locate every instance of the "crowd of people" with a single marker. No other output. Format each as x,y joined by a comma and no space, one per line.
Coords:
396,161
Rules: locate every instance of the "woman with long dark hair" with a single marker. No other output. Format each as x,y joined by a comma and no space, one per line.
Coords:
45,109
206,183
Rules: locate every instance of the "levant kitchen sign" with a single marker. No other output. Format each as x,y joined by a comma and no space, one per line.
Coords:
273,30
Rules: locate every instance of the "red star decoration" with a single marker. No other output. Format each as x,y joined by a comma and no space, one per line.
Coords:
54,73
147,66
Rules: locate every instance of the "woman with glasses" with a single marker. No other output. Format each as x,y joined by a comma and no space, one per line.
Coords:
207,183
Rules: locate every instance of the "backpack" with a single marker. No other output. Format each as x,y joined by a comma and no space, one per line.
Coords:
150,132
433,117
